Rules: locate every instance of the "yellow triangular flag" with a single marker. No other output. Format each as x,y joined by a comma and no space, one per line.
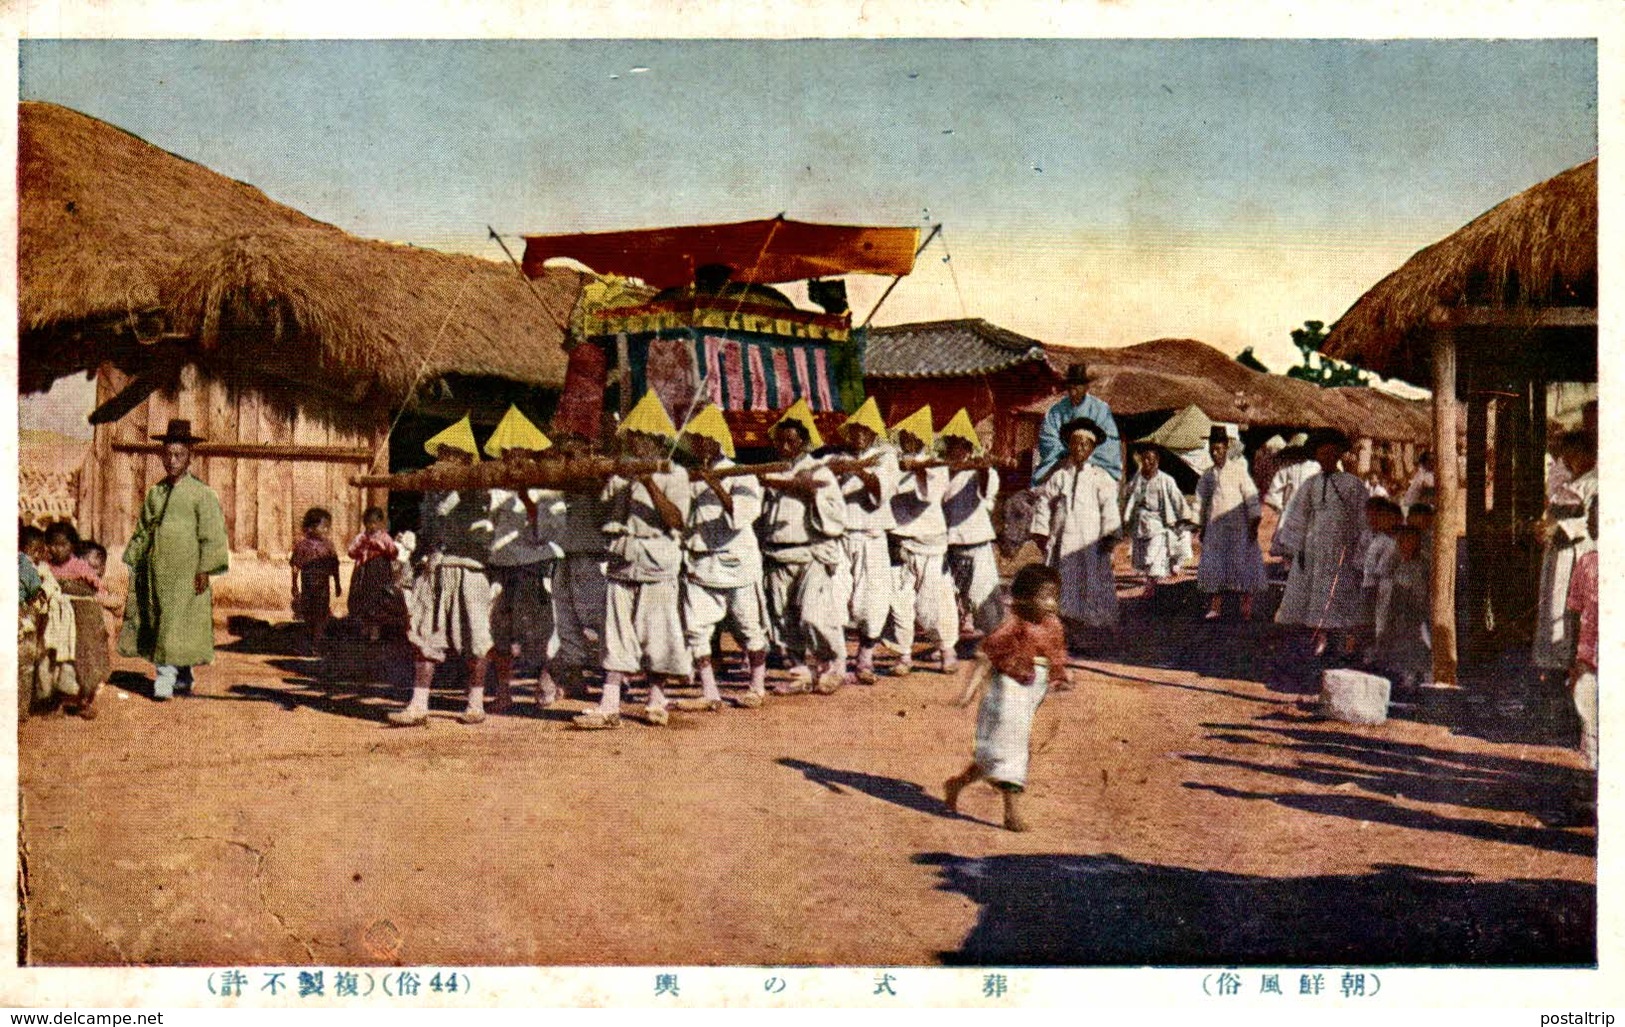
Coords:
868,416
959,427
457,436
649,417
515,431
709,423
917,424
800,411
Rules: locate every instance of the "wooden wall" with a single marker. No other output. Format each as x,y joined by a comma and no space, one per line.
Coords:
263,498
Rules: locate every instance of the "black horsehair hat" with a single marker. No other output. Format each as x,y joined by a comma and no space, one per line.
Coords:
179,430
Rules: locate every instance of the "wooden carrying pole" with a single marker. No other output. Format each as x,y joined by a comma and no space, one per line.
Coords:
257,451
568,474
1445,528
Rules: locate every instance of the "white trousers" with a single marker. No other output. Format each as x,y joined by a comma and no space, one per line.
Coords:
643,627
704,608
924,597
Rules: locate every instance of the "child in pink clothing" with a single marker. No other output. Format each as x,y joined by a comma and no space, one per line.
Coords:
373,552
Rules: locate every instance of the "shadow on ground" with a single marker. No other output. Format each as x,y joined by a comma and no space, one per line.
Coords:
906,794
1392,770
1102,910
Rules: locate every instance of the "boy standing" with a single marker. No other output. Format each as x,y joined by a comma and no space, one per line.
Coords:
643,626
722,562
923,594
802,524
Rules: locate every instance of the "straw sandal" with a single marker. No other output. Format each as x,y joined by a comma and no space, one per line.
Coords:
696,705
596,721
409,717
751,700
656,716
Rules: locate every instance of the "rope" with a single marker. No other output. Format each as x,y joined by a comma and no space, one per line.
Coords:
411,391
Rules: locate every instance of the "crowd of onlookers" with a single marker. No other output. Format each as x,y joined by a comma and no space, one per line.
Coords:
63,653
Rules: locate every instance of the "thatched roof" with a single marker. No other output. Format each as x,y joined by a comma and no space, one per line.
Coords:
1166,374
121,242
1536,250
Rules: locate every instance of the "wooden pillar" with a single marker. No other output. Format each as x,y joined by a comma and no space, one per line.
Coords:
1445,527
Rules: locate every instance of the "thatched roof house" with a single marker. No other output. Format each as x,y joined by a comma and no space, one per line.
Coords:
1536,252
123,245
1492,315
289,343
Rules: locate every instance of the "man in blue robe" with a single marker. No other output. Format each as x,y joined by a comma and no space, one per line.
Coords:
1077,402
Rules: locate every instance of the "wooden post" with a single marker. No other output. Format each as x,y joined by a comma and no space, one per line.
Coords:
1445,527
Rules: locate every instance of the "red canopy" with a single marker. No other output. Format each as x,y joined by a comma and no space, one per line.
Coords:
760,252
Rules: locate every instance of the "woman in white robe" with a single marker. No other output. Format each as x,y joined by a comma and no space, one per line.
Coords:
1324,534
1229,516
1076,523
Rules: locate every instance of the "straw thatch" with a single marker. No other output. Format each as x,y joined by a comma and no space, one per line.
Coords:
1167,374
121,243
1537,249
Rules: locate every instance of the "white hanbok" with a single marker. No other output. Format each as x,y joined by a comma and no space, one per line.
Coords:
1286,482
924,594
1229,506
643,624
972,564
1325,536
1151,516
868,519
1554,634
807,577
722,564
1076,511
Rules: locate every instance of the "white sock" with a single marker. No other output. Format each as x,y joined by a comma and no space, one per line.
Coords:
611,700
476,699
420,700
758,678
657,697
708,683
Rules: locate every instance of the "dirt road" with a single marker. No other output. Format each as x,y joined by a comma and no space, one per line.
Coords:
1183,813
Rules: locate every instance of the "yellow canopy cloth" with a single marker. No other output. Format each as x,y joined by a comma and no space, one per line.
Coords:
649,417
800,411
710,424
515,431
917,424
457,436
868,416
959,427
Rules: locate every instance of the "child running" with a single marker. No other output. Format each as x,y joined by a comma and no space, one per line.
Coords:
373,552
1021,656
314,562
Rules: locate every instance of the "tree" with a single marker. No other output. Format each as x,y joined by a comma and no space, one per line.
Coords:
1329,374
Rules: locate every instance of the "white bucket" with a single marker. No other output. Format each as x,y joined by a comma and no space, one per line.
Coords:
1354,696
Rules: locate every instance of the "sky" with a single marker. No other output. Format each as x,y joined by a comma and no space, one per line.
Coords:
1091,192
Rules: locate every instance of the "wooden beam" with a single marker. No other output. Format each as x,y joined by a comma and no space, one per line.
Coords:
1515,317
259,451
1446,530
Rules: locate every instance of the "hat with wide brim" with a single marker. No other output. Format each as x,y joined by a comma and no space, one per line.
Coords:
1083,424
802,414
459,436
179,430
710,424
1218,433
515,431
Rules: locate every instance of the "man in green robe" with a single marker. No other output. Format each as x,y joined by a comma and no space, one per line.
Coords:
179,542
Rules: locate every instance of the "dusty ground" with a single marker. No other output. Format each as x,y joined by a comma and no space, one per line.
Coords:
1189,808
